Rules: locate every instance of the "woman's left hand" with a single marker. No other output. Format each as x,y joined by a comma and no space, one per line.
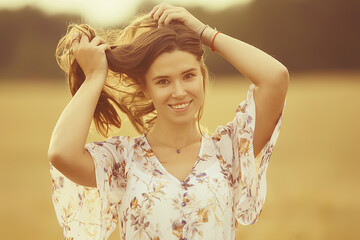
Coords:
164,13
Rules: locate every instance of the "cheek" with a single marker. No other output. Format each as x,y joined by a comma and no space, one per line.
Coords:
198,89
158,97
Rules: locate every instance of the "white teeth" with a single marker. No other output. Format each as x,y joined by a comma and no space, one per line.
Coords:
180,106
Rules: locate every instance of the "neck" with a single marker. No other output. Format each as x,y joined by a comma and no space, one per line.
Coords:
174,134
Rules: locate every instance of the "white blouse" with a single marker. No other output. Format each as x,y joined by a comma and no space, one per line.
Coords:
226,185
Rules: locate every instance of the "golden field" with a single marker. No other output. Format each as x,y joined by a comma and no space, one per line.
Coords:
313,179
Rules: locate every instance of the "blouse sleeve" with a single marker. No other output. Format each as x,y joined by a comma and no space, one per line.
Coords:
91,213
247,173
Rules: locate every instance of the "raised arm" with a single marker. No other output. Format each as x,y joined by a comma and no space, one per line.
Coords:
66,150
269,75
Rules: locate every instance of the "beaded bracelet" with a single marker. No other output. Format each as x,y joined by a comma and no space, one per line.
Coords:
212,43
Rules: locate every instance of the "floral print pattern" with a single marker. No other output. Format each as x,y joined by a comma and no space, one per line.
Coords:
227,185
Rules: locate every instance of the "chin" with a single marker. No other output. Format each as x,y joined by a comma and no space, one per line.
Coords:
184,120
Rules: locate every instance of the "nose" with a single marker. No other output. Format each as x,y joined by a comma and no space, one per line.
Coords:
179,90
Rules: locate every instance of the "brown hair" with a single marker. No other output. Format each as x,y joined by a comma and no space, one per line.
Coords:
133,50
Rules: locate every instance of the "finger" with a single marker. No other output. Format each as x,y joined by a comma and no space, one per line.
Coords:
74,40
165,15
84,39
73,37
104,47
159,11
74,43
156,8
97,41
170,18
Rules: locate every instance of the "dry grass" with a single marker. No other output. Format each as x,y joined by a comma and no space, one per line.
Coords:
313,180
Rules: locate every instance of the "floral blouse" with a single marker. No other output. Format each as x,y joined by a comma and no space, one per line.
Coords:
227,185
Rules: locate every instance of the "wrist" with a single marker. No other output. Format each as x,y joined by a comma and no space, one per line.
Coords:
99,77
207,35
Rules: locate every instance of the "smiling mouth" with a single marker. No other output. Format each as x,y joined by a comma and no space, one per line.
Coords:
181,106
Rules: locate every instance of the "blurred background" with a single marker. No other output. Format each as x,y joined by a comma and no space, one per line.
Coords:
313,180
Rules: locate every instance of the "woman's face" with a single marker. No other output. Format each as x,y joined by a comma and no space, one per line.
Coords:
174,82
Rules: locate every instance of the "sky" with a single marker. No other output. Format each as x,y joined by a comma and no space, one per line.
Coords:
109,12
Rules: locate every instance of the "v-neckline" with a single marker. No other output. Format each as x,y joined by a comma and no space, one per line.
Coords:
147,144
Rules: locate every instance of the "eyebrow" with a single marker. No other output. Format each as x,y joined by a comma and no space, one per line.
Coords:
189,70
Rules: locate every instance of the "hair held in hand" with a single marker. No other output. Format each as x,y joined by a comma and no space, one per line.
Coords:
133,49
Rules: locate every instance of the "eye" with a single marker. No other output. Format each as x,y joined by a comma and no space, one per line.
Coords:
189,75
162,82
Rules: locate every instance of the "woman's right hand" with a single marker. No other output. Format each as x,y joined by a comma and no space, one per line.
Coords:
91,56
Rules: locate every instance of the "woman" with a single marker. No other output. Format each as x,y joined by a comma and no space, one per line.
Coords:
173,181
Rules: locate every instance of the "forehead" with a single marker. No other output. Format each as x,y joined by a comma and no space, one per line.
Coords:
172,63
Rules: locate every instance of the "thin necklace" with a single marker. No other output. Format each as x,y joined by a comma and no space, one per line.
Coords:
177,148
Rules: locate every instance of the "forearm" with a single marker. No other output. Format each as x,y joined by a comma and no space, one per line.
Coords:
70,133
254,64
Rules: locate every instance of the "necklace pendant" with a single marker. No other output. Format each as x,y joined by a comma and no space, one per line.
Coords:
178,150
